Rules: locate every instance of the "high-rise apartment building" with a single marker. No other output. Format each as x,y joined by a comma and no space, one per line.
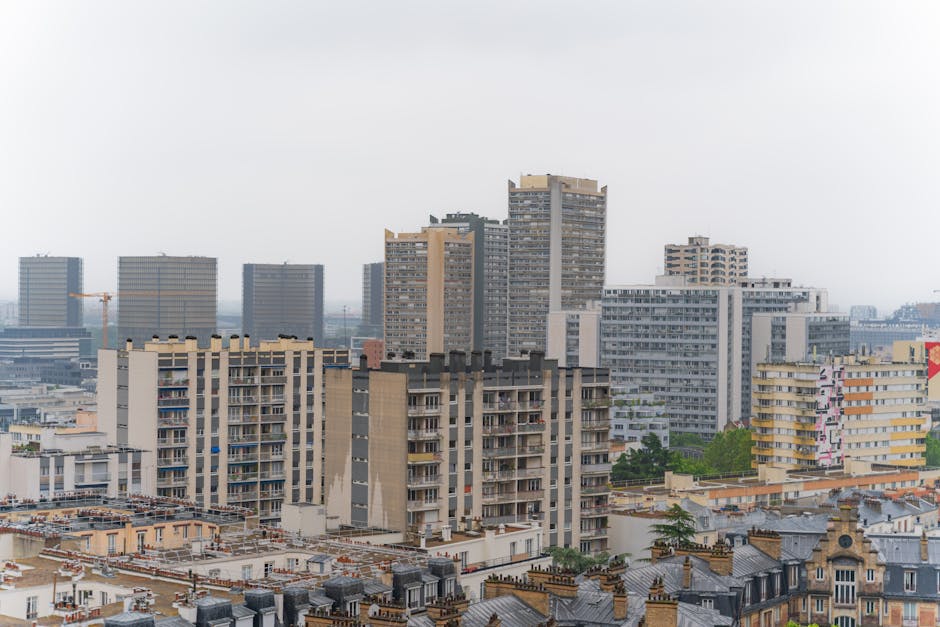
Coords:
165,295
574,336
808,414
45,285
490,278
691,345
282,299
704,263
557,239
422,445
791,336
373,297
229,426
428,292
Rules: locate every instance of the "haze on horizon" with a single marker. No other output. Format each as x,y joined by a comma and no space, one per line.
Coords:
806,131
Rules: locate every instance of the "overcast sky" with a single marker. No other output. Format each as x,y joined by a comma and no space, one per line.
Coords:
273,131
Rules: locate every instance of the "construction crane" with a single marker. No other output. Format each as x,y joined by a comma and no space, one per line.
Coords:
106,297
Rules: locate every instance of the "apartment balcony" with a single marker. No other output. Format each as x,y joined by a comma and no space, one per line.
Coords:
594,511
523,451
272,494
173,401
172,383
595,403
501,406
242,459
171,462
273,437
272,379
171,443
416,506
595,489
273,418
92,479
499,475
509,451
595,425
595,469
530,427
245,419
424,434
170,420
272,474
242,381
249,438
502,520
243,400
416,481
268,400
242,477
499,429
597,532
529,495
424,458
530,405
493,498
424,411
600,445
172,481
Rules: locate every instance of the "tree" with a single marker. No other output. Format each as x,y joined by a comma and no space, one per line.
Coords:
649,461
691,440
729,451
574,560
933,451
679,530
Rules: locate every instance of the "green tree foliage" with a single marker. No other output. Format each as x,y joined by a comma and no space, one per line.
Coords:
692,440
933,451
650,461
680,528
574,560
729,451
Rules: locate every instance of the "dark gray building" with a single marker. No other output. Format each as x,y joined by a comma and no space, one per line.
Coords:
373,297
282,299
165,296
490,278
45,285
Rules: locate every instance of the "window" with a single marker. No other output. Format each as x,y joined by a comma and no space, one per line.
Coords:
246,572
32,607
869,607
870,575
414,598
794,577
528,547
844,593
112,543
512,549
141,540
910,581
819,605
708,604
819,573
268,568
910,611
158,532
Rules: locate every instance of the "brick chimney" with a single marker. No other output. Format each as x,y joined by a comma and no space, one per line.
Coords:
923,546
662,610
609,582
494,621
621,601
535,595
766,540
446,611
687,573
659,550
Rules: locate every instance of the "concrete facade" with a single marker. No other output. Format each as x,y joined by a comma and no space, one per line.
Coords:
557,240
45,285
574,337
373,298
429,291
704,263
282,299
807,415
165,296
691,345
423,445
235,426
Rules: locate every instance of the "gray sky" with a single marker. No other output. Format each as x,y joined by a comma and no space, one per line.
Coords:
264,132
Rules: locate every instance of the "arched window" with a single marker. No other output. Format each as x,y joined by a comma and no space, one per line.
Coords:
844,621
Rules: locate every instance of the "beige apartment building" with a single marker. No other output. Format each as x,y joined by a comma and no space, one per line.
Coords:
422,445
429,291
823,414
238,425
704,263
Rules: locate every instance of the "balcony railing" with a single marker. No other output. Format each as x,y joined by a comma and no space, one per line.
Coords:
418,480
422,505
593,469
598,532
531,427
424,458
595,489
424,434
273,436
173,401
591,425
245,476
423,410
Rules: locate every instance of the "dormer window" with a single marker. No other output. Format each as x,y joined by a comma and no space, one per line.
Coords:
353,608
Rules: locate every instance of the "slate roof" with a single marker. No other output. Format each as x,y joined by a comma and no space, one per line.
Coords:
691,615
749,560
175,621
905,549
240,611
637,579
372,586
798,546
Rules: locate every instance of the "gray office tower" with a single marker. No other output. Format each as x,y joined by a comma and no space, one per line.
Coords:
490,278
166,296
557,236
45,284
691,345
282,299
373,297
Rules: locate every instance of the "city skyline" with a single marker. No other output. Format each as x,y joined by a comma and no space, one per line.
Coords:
717,121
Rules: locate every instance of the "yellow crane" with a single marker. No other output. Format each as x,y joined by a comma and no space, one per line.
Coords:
106,297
